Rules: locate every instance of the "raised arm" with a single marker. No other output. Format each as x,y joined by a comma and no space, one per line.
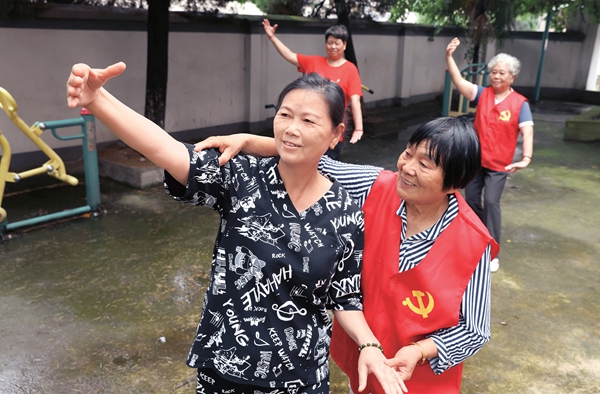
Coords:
231,145
284,51
85,89
464,87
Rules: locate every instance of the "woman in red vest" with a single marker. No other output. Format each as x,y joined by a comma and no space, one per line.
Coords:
501,115
426,275
425,278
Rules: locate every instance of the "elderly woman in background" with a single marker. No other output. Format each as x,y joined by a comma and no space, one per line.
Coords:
426,274
501,115
333,67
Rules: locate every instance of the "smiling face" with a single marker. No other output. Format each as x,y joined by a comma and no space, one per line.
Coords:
501,78
335,48
303,129
420,180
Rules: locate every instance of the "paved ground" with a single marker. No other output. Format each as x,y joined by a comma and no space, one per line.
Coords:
109,305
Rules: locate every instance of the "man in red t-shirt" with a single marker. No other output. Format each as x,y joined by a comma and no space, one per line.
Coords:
334,67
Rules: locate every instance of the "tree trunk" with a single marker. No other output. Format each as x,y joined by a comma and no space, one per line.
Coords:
157,68
343,13
480,7
476,53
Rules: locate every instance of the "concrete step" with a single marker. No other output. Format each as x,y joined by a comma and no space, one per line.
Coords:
583,127
387,122
379,126
122,164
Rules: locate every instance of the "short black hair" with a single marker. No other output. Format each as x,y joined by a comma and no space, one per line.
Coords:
338,31
330,91
453,145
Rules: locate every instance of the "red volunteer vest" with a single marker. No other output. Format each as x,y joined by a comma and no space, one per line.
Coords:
403,307
497,126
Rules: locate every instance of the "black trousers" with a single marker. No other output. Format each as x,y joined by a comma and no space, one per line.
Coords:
483,196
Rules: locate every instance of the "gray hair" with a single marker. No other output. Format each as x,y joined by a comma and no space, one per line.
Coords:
512,63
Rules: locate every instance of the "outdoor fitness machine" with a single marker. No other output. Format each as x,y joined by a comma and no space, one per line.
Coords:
476,73
54,166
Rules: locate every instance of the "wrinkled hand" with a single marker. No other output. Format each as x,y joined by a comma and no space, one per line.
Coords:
356,136
452,46
270,30
371,360
514,167
84,83
405,361
228,145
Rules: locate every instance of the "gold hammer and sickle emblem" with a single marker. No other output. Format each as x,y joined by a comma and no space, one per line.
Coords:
504,115
421,310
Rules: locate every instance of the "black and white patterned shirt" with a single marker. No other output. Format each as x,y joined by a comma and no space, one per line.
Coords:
275,272
454,344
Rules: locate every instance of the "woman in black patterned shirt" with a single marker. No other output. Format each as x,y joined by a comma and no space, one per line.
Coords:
289,246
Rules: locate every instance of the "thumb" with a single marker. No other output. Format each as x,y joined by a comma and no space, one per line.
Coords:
112,71
362,379
226,155
103,75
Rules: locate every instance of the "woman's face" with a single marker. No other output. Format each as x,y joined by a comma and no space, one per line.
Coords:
420,180
302,127
501,78
335,48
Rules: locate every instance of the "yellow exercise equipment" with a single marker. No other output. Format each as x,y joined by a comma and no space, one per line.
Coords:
55,166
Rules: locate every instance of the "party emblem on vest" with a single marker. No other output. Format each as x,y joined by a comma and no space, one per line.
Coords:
504,115
421,309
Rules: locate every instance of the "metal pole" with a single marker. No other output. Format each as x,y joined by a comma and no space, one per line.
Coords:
447,94
542,54
48,218
90,160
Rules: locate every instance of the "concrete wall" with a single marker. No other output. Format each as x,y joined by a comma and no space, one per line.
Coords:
207,80
36,64
222,71
563,63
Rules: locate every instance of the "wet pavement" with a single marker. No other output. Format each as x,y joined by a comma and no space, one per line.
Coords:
110,304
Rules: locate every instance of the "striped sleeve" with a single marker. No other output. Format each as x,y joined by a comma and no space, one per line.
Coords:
457,343
356,179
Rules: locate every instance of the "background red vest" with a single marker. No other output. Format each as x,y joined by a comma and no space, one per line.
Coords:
389,297
497,126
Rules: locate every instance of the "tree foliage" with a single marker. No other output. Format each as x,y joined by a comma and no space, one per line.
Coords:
354,9
562,10
483,19
500,14
487,20
281,7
